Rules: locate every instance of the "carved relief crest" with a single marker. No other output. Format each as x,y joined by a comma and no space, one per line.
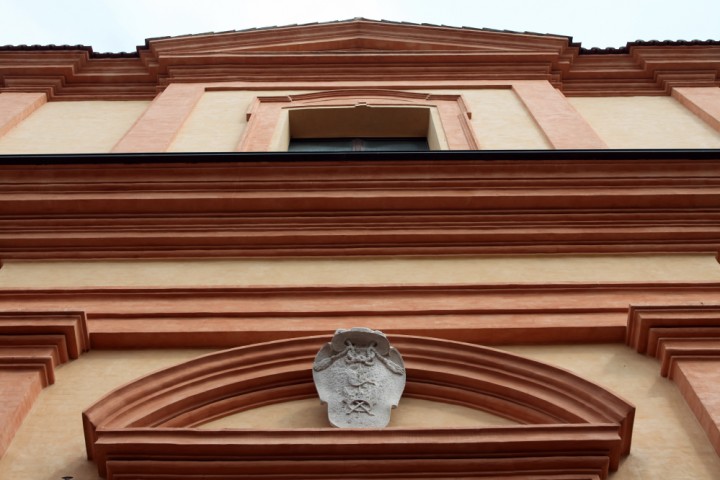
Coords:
360,377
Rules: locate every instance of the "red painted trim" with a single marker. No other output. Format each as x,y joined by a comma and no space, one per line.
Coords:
32,344
361,207
15,107
131,421
358,50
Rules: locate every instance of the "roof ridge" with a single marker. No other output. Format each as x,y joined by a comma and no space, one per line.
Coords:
585,51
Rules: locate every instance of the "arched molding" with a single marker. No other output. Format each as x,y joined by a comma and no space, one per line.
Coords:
269,128
559,410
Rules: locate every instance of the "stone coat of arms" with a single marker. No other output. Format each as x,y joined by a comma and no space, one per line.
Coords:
360,377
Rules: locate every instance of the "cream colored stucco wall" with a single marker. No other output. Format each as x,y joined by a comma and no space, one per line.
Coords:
501,122
309,413
499,119
667,440
218,121
73,127
215,124
645,122
361,271
53,433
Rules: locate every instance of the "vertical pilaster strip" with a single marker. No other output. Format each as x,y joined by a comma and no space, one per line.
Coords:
15,107
18,390
702,101
32,344
698,380
156,129
458,132
563,126
263,121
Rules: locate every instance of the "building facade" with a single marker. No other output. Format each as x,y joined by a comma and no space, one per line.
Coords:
533,225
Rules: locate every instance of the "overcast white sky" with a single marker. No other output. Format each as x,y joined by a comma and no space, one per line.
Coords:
120,25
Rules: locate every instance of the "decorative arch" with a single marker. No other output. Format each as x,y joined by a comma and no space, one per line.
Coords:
569,424
268,118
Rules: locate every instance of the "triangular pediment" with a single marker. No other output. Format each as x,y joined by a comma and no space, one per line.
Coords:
359,36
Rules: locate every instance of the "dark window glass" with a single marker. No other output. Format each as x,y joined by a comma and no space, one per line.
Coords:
358,145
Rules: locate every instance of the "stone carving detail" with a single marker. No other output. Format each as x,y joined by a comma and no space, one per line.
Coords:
360,377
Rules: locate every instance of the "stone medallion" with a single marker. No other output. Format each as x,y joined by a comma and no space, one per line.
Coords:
360,377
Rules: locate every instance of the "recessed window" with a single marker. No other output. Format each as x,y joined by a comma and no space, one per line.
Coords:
443,120
418,144
361,128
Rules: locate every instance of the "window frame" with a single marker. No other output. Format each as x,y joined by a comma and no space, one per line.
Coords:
269,122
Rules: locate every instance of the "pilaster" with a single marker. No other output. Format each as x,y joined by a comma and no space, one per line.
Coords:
156,129
32,344
15,107
702,101
563,126
686,340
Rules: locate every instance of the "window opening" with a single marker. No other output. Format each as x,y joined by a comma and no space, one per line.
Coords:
413,144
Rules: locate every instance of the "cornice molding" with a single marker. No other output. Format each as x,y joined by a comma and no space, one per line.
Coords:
122,206
686,339
32,344
65,333
357,50
674,332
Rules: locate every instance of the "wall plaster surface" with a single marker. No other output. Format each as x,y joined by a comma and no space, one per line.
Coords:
73,127
54,425
216,123
362,271
309,413
668,441
501,121
646,122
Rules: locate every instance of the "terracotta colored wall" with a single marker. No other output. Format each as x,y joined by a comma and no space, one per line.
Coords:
646,122
699,379
15,107
73,127
159,124
18,391
703,102
354,271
